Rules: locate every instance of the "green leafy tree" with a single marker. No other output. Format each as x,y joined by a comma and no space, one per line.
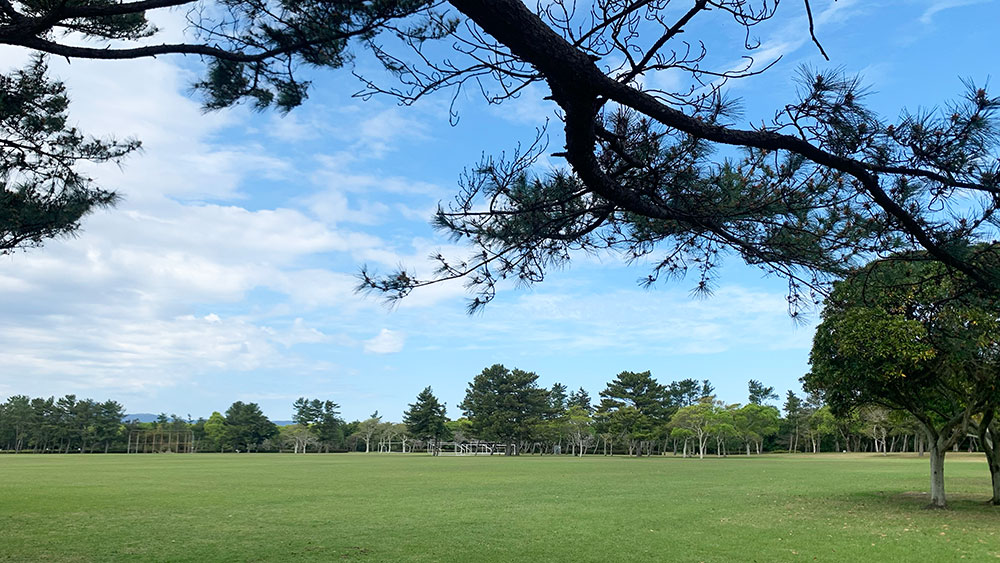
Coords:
759,394
580,427
306,411
505,406
580,398
425,419
298,435
906,335
695,421
687,392
215,431
107,423
45,420
723,426
386,433
795,414
558,398
368,429
459,430
16,416
753,423
322,418
247,427
820,423
633,407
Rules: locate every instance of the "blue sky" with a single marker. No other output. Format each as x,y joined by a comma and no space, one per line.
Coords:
228,271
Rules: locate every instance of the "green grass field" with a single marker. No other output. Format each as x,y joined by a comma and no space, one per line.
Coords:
259,507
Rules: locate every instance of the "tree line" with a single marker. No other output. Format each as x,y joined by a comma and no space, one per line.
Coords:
635,415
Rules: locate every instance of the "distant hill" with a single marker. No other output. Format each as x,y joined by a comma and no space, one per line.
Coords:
150,417
141,417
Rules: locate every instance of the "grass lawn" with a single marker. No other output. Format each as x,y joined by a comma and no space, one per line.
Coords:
260,507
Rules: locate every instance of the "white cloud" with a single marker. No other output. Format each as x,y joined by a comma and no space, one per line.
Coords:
938,6
379,133
386,342
794,33
661,321
127,352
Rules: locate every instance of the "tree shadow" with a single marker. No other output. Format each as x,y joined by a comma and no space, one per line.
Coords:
958,502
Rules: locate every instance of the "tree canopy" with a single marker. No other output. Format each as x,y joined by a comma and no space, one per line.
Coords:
505,405
759,393
322,418
827,184
425,418
247,427
42,192
904,335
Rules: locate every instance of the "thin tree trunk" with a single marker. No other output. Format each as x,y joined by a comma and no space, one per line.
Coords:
988,437
937,476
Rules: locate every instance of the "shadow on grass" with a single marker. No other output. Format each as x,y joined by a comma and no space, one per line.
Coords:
958,502
970,503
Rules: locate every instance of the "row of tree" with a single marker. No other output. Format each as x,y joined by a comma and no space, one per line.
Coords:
635,415
70,425
916,367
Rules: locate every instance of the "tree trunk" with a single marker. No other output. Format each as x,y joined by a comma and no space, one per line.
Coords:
993,461
937,475
995,476
988,437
